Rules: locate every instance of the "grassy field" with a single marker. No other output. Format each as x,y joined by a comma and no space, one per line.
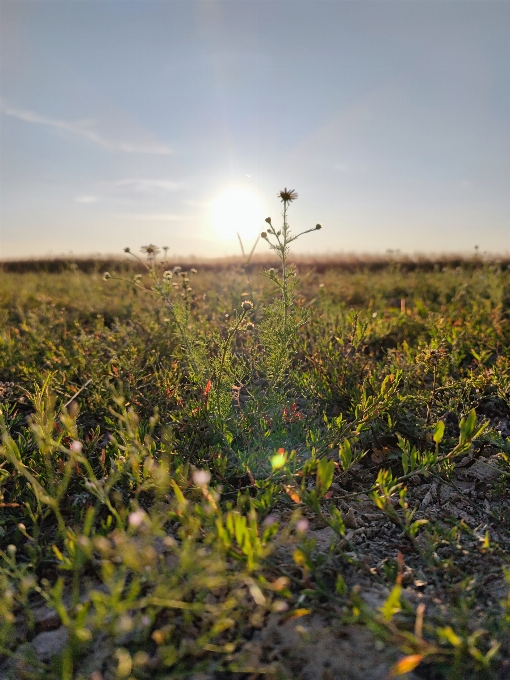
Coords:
243,473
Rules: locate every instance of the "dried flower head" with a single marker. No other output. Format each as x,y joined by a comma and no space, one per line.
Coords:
192,270
287,195
268,220
263,234
107,276
150,250
127,249
250,326
247,305
137,278
168,275
177,269
271,271
318,226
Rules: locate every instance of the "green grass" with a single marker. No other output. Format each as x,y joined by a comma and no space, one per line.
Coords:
160,515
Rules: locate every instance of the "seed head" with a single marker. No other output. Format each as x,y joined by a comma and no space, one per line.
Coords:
127,249
268,220
250,326
168,275
247,305
177,269
107,276
138,277
318,226
263,234
287,195
192,270
271,271
150,250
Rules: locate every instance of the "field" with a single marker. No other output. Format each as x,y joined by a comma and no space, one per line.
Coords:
250,472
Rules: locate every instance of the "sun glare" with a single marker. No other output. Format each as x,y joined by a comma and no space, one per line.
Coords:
237,210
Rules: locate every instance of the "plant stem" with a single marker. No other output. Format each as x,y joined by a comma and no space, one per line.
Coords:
284,267
226,345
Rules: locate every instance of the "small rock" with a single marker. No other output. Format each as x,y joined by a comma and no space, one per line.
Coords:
50,643
46,618
350,520
426,501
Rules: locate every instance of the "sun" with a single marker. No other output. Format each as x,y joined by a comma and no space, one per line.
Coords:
237,210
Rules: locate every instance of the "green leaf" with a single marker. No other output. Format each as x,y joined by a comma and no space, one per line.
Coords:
439,432
325,472
392,604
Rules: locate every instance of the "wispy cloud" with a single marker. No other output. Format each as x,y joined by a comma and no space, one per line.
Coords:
145,186
156,217
82,129
86,199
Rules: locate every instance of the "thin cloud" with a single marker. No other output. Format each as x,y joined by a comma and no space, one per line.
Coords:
86,199
143,186
155,217
82,129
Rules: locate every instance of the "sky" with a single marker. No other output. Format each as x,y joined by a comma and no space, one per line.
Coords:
177,122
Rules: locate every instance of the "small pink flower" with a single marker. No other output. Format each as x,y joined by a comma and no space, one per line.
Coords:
136,518
280,606
76,446
201,477
302,525
270,520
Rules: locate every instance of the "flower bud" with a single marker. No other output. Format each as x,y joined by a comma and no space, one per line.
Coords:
271,271
264,234
318,226
268,220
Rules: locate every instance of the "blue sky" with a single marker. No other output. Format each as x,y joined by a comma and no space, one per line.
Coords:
176,122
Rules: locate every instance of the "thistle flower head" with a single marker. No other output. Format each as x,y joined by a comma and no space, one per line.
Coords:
318,226
250,326
150,250
107,276
177,269
287,195
168,275
127,249
247,305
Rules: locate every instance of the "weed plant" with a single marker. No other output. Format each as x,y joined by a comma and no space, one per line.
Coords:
173,447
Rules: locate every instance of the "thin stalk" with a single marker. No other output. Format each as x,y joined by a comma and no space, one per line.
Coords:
226,345
284,267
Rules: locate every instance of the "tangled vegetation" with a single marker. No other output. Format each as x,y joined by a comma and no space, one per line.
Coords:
205,473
